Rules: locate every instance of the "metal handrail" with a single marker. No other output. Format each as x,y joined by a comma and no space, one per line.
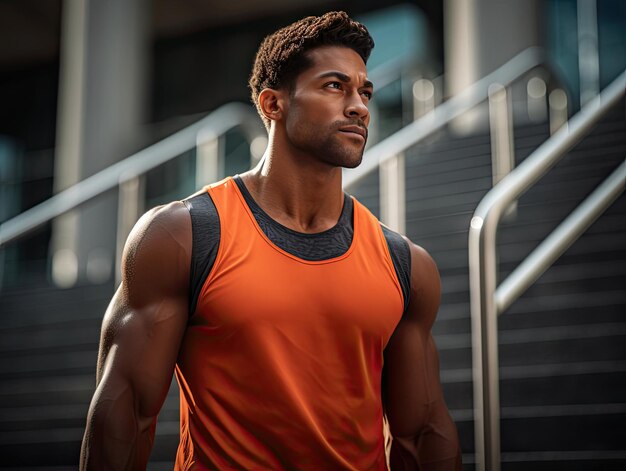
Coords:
486,301
215,124
444,113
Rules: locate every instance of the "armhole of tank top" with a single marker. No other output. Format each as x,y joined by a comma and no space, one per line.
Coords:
205,227
401,258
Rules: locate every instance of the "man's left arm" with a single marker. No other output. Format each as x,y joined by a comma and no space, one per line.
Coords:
424,435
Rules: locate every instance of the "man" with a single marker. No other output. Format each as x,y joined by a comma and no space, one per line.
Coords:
276,299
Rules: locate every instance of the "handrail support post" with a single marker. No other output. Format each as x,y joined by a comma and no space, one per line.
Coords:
484,318
209,160
501,129
393,193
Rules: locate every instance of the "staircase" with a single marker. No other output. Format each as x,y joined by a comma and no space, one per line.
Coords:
48,340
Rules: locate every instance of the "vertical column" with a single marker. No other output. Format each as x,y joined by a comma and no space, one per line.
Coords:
480,36
101,106
588,60
462,54
69,137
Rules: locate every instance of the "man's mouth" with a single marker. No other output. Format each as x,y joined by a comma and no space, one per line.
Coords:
355,129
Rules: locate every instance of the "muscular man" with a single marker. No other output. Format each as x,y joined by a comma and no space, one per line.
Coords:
294,322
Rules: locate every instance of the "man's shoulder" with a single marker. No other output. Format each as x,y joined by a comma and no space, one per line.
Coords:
163,230
164,220
421,261
157,254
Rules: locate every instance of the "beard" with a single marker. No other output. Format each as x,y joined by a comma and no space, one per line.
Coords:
329,145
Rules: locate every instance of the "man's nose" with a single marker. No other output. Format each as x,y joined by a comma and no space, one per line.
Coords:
356,108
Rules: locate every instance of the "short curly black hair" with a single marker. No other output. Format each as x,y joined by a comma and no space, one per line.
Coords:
282,55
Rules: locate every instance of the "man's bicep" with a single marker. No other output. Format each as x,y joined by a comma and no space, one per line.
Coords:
135,365
146,319
419,421
411,363
420,424
139,347
406,383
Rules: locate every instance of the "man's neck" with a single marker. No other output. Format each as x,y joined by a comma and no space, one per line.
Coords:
300,193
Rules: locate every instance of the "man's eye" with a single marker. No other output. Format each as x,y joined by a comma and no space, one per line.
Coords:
367,94
335,85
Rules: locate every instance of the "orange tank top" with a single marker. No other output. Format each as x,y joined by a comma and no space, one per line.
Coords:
280,367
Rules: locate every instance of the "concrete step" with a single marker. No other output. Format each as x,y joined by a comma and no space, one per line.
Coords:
598,382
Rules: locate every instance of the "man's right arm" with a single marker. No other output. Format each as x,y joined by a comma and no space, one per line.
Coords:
141,335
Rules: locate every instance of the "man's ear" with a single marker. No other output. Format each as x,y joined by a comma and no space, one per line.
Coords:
271,103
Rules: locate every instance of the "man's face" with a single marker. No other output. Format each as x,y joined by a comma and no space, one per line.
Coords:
327,115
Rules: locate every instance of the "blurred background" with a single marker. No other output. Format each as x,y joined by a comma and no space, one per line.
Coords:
108,108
